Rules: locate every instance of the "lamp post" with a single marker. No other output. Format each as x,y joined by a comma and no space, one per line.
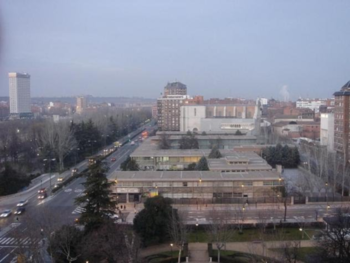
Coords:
50,160
302,233
171,245
196,232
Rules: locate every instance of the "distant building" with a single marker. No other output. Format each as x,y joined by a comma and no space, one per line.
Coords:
220,118
341,121
81,104
168,106
312,104
168,112
175,88
19,91
327,130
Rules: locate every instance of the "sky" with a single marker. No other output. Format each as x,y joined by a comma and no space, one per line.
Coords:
218,48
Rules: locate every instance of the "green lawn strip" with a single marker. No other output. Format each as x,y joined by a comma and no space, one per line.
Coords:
228,256
166,257
303,253
254,234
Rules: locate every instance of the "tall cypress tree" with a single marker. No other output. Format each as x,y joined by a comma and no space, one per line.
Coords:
96,201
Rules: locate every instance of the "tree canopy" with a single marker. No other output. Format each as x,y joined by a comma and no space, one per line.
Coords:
152,223
202,164
12,181
129,165
188,141
215,153
96,201
287,156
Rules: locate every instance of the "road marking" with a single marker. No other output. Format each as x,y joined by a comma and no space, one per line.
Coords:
78,210
68,190
8,254
78,190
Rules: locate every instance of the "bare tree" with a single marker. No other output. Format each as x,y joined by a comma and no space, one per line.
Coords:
164,142
59,139
220,229
178,232
65,142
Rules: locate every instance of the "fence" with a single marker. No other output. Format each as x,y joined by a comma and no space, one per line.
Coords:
233,200
329,199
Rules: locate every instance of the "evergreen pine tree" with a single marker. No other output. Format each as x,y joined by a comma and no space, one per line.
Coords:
96,201
202,164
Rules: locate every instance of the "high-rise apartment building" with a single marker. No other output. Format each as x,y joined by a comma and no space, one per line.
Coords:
169,112
81,104
168,106
341,121
175,88
19,91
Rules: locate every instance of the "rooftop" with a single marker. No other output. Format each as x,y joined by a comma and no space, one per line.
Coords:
193,176
149,148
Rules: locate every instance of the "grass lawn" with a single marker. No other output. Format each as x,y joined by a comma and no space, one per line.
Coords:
163,256
237,257
257,234
302,253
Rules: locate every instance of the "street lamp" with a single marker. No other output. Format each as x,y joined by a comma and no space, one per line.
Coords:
302,233
171,245
196,232
50,160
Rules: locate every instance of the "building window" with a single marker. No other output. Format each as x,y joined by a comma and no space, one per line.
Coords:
184,184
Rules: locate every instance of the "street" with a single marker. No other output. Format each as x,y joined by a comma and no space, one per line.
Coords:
59,207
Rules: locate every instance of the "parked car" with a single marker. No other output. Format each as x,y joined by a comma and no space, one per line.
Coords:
57,185
20,210
6,213
75,170
113,159
22,203
60,179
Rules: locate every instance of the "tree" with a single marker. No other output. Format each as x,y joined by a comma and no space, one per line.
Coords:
202,164
65,141
96,201
177,232
129,165
164,142
238,132
117,243
12,181
189,141
215,153
335,242
152,223
191,167
220,230
65,244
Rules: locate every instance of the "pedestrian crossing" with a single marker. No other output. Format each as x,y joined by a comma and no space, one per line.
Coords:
12,241
78,210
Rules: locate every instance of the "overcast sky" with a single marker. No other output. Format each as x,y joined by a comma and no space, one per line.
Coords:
217,48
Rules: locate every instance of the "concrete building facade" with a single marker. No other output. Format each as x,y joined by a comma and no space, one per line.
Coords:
81,104
327,131
197,186
19,91
341,121
220,118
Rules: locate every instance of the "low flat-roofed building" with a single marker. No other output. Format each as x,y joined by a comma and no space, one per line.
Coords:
191,185
239,162
206,141
150,157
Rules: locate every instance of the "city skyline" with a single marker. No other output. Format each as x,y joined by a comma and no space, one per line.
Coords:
230,49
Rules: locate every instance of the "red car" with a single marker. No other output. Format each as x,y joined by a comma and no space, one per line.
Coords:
113,159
